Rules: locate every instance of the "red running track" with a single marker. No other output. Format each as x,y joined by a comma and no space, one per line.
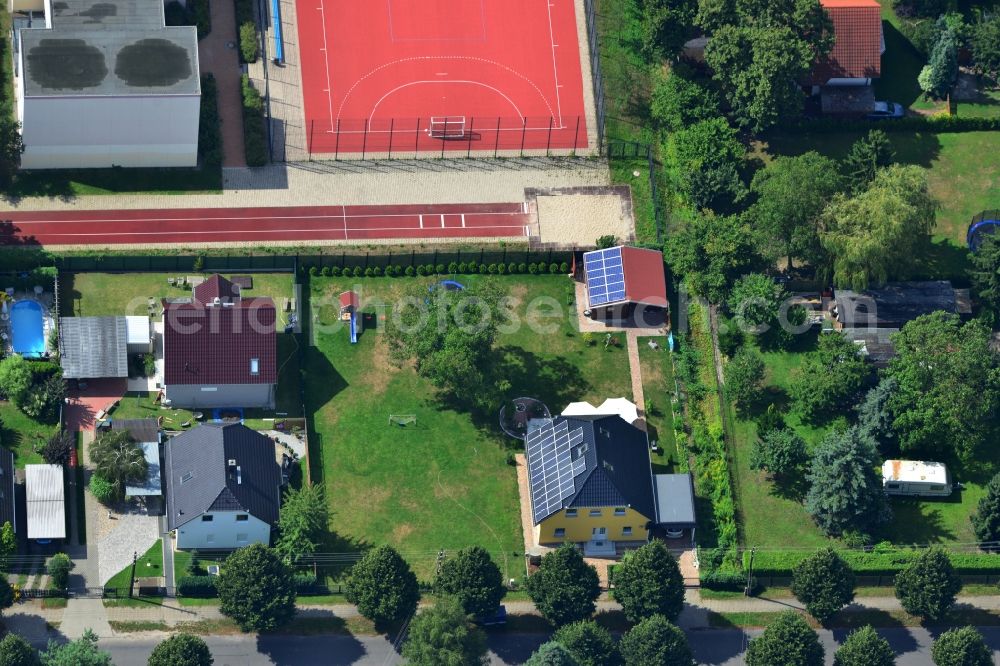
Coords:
232,225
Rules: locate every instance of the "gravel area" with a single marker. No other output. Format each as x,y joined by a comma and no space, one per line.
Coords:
121,536
580,219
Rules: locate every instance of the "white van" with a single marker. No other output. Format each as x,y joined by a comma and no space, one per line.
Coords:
916,478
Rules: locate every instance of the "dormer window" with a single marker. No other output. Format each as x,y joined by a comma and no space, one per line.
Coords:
255,366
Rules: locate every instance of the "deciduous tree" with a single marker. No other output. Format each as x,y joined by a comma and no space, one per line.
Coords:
788,641
15,378
824,583
15,651
864,647
474,579
303,522
383,586
181,650
655,641
551,654
829,379
845,493
961,647
565,587
705,160
81,652
666,25
744,376
442,634
781,453
878,234
588,643
678,102
8,545
11,148
947,386
986,47
648,582
711,253
257,589
927,587
58,568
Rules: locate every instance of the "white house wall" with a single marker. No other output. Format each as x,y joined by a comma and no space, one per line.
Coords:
93,132
223,532
221,395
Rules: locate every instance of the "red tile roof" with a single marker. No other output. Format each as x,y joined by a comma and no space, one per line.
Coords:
857,48
216,287
213,344
349,299
644,276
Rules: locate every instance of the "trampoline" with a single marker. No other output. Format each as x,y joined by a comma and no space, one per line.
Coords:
27,324
984,224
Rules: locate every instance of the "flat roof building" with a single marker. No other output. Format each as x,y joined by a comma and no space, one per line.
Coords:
46,500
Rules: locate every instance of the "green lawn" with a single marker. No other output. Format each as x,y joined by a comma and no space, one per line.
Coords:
149,564
288,399
141,406
658,389
774,517
23,434
444,482
106,294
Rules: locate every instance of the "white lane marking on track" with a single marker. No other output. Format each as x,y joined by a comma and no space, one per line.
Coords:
342,215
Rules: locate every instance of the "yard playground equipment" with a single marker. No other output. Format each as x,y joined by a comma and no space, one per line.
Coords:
349,313
982,225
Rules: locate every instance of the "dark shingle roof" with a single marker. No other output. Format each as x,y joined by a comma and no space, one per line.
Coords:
894,304
93,347
199,477
8,510
615,471
142,430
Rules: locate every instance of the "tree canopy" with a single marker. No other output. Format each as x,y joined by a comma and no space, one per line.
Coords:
588,643
551,654
963,646
787,641
867,156
824,583
303,521
927,587
985,44
678,101
878,234
864,647
874,418
947,386
256,589
829,379
383,586
779,452
118,459
939,74
15,651
705,160
986,519
744,374
565,587
984,274
15,378
845,492
441,635
474,579
666,25
181,650
792,193
711,253
648,582
11,148
450,336
655,641
81,652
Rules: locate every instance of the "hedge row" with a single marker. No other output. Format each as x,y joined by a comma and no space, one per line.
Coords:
879,562
442,269
254,130
246,28
209,133
197,586
941,123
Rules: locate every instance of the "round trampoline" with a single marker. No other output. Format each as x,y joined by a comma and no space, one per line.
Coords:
516,413
984,224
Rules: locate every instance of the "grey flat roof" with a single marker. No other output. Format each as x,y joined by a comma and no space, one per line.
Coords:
110,47
674,500
151,451
93,347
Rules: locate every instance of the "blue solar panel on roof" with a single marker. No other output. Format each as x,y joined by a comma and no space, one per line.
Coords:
605,276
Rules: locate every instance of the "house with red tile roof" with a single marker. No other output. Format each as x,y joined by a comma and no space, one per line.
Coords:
844,76
219,348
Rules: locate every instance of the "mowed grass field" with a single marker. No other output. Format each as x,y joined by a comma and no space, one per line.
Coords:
444,482
108,294
774,516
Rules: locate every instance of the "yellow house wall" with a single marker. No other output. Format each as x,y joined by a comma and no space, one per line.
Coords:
581,527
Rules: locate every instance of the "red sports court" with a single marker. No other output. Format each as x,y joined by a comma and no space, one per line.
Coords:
429,76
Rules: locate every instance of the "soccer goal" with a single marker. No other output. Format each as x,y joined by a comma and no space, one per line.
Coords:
447,127
402,420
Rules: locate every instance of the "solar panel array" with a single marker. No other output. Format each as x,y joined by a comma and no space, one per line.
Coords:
605,276
552,466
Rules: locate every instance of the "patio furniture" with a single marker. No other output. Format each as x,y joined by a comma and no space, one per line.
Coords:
170,281
38,290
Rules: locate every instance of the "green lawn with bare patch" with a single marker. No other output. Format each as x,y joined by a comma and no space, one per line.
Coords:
443,483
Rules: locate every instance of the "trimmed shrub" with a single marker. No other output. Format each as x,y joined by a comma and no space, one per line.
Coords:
254,130
564,267
440,269
357,272
430,268
734,581
327,271
377,271
209,134
463,267
197,586
314,271
522,267
502,269
533,268
883,560
410,271
453,267
306,583
369,272
553,268
335,270
421,270
397,271
512,268
491,269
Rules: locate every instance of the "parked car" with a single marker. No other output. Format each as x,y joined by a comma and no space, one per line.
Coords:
883,110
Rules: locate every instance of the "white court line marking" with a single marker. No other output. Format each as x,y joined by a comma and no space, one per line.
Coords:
326,61
475,83
555,68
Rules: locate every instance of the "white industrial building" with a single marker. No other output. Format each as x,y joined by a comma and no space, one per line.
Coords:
102,83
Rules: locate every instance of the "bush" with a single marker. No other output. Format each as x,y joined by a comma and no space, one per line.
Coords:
512,268
254,130
553,268
356,272
439,269
202,587
397,271
174,14
103,490
209,134
501,269
421,271
462,267
491,269
377,271
883,560
564,267
249,45
335,271
306,583
732,581
483,269
522,267
369,272
453,267
532,268
409,271
201,16
327,271
58,569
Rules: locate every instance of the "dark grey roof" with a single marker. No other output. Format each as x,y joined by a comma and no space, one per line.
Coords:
8,511
93,347
199,477
576,462
110,47
875,344
142,430
674,500
894,304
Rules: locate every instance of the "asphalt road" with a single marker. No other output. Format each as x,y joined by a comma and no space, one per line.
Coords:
713,647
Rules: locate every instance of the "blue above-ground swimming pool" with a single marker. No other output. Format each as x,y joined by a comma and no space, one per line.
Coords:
27,327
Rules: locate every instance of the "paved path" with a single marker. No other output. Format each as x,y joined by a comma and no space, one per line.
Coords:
217,58
635,370
82,614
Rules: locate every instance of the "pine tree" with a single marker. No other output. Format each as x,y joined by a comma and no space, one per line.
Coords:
986,519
